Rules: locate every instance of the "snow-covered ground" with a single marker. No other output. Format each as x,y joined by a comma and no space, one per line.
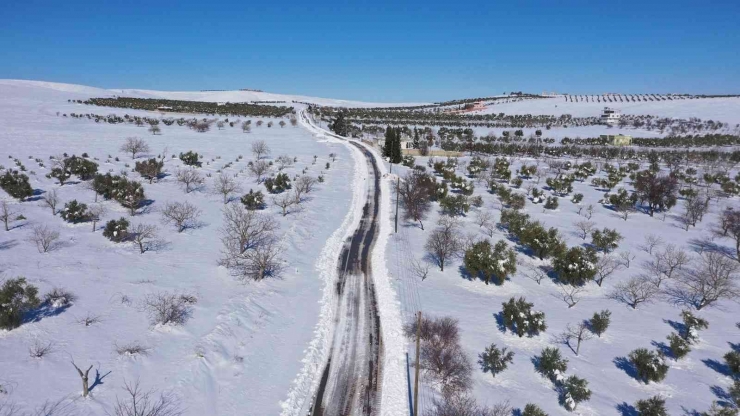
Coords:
243,346
692,383
209,96
726,110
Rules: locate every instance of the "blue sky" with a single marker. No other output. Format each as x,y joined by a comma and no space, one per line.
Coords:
379,51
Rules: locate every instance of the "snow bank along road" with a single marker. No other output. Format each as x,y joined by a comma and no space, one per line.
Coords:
350,381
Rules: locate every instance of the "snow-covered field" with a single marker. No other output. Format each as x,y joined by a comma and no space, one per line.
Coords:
255,348
726,110
692,383
244,343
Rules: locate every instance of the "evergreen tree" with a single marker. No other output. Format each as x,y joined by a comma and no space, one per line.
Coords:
654,406
340,126
416,138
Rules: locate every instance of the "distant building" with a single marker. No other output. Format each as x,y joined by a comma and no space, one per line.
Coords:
618,139
610,116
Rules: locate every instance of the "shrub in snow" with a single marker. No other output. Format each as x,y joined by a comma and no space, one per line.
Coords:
519,317
692,325
606,240
717,410
600,322
654,406
551,202
497,262
116,230
575,266
575,390
536,195
734,392
253,200
517,182
408,161
75,212
278,184
59,298
577,198
516,201
562,185
16,298
476,201
732,359
543,243
85,169
150,169
495,360
551,364
533,410
678,345
130,194
16,184
514,221
650,365
190,158
454,205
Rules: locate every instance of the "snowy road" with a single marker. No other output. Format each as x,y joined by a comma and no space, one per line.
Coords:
350,382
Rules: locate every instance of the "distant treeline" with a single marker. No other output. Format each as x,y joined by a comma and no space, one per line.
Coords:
198,107
707,140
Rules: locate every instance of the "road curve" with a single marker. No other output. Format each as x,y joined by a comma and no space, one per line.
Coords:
350,382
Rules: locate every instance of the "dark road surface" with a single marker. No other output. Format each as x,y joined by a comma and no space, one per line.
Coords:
350,380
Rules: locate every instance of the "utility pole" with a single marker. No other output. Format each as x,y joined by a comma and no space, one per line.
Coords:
398,190
416,370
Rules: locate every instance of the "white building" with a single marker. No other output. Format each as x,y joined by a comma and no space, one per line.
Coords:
610,115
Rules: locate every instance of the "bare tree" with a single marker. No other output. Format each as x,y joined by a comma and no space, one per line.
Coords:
730,226
416,192
134,146
419,269
484,218
263,261
284,161
51,200
636,290
182,214
285,201
259,169
570,294
605,266
260,149
651,242
85,379
154,129
715,279
305,184
45,238
579,333
145,403
669,261
534,272
243,233
444,242
95,213
143,235
191,178
226,185
166,308
585,228
626,258
7,214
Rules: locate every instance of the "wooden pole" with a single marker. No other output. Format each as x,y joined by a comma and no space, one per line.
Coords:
398,189
416,370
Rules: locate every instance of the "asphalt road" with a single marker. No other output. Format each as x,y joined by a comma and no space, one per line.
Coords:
350,383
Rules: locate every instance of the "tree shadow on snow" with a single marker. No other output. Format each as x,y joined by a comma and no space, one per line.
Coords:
7,245
626,409
98,379
704,244
735,347
725,400
717,366
663,348
45,311
499,317
465,273
678,326
625,365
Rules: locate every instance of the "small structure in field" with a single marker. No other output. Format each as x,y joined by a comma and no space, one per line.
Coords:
610,116
618,139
